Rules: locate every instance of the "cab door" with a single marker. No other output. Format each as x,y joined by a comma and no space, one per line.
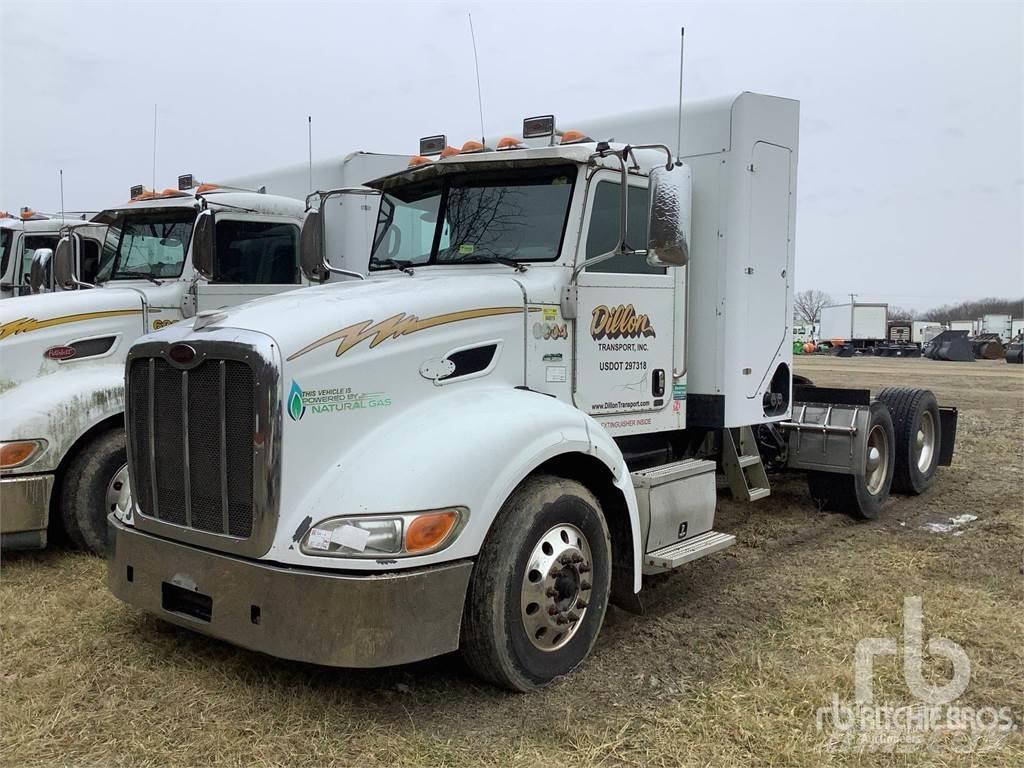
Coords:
624,325
254,256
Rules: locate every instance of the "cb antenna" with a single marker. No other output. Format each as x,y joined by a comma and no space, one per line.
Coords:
62,198
479,96
679,121
309,121
154,149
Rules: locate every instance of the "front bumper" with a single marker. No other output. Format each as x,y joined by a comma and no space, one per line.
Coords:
339,620
24,511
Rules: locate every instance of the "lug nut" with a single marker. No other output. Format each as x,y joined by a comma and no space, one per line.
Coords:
573,616
584,585
565,559
584,568
553,610
577,557
561,620
581,604
551,592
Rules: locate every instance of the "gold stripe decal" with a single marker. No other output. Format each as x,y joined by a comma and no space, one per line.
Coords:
395,326
27,324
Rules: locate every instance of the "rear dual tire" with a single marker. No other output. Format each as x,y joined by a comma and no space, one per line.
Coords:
915,417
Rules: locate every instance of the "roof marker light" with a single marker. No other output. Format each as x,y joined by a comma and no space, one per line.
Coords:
574,137
26,213
433,145
202,188
449,152
510,142
473,146
416,160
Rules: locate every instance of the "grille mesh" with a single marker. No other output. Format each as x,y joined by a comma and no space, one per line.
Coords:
220,418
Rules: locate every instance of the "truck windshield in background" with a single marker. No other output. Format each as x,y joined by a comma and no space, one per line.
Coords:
148,244
474,218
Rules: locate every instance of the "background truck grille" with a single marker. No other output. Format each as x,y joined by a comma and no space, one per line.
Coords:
192,439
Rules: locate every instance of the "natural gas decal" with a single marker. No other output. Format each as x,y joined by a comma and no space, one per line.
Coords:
332,400
27,324
621,322
395,326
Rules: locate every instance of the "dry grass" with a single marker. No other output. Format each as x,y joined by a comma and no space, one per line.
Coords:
728,666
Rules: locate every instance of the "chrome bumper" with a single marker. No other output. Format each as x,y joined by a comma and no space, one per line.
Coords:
339,620
24,511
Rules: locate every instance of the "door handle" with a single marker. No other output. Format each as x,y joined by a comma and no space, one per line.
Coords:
658,383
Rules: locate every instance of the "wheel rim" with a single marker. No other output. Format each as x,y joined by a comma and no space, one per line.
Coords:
119,494
556,587
924,442
877,460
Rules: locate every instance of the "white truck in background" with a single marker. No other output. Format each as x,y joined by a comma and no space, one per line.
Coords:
999,324
518,414
858,325
971,326
22,235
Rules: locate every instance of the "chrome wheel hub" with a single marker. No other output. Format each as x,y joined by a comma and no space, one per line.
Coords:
119,494
877,460
924,442
556,587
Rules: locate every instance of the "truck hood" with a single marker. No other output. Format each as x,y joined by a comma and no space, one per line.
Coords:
351,318
30,325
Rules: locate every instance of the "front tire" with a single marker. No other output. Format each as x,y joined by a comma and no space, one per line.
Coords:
95,484
540,586
861,496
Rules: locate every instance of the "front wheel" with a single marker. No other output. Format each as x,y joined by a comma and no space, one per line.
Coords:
95,484
540,586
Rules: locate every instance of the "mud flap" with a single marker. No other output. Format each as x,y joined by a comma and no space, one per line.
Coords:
947,424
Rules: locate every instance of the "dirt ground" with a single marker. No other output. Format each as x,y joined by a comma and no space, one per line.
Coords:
730,664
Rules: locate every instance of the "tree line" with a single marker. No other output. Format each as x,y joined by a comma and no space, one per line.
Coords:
808,306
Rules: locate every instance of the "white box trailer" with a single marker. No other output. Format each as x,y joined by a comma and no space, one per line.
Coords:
353,170
1017,327
923,331
861,325
970,326
999,324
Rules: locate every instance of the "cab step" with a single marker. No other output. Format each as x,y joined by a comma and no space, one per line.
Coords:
675,555
742,466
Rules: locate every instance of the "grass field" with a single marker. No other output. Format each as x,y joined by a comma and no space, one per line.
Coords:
729,665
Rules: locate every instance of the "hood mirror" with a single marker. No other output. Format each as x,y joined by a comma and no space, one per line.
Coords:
40,275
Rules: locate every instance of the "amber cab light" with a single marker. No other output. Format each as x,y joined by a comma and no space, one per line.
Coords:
429,530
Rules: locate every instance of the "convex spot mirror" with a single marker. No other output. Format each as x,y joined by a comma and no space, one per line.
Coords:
64,275
669,216
39,275
204,245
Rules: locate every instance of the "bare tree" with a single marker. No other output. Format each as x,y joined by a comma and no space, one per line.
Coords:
808,304
901,313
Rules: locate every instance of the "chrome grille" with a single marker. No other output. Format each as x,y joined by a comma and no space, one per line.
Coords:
193,434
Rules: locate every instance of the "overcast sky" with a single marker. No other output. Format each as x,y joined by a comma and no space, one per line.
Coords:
911,170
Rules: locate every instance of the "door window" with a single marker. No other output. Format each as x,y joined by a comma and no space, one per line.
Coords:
603,234
256,253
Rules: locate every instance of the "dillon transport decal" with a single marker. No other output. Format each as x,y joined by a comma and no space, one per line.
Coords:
333,400
27,324
395,326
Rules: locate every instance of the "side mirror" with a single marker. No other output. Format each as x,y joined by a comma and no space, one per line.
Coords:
39,276
204,245
311,248
669,216
64,273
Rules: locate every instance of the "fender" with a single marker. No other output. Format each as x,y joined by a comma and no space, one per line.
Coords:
460,451
61,407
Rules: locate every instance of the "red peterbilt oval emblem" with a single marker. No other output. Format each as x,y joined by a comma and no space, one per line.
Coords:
182,354
60,352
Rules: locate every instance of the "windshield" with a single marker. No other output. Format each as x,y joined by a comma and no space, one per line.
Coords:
474,218
146,244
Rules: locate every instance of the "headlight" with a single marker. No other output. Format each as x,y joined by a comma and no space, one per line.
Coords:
18,453
416,533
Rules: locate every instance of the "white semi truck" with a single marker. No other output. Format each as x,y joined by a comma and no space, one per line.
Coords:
22,235
514,418
858,325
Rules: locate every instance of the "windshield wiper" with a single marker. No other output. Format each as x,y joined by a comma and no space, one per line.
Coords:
146,275
504,260
405,266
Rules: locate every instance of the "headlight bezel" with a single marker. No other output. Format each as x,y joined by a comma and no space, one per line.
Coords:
405,520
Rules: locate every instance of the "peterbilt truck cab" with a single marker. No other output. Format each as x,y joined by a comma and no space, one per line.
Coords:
514,418
163,257
21,236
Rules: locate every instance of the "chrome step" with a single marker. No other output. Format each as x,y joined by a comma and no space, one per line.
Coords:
759,493
674,555
749,461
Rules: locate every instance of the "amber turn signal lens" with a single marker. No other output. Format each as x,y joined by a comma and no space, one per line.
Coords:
16,454
429,530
